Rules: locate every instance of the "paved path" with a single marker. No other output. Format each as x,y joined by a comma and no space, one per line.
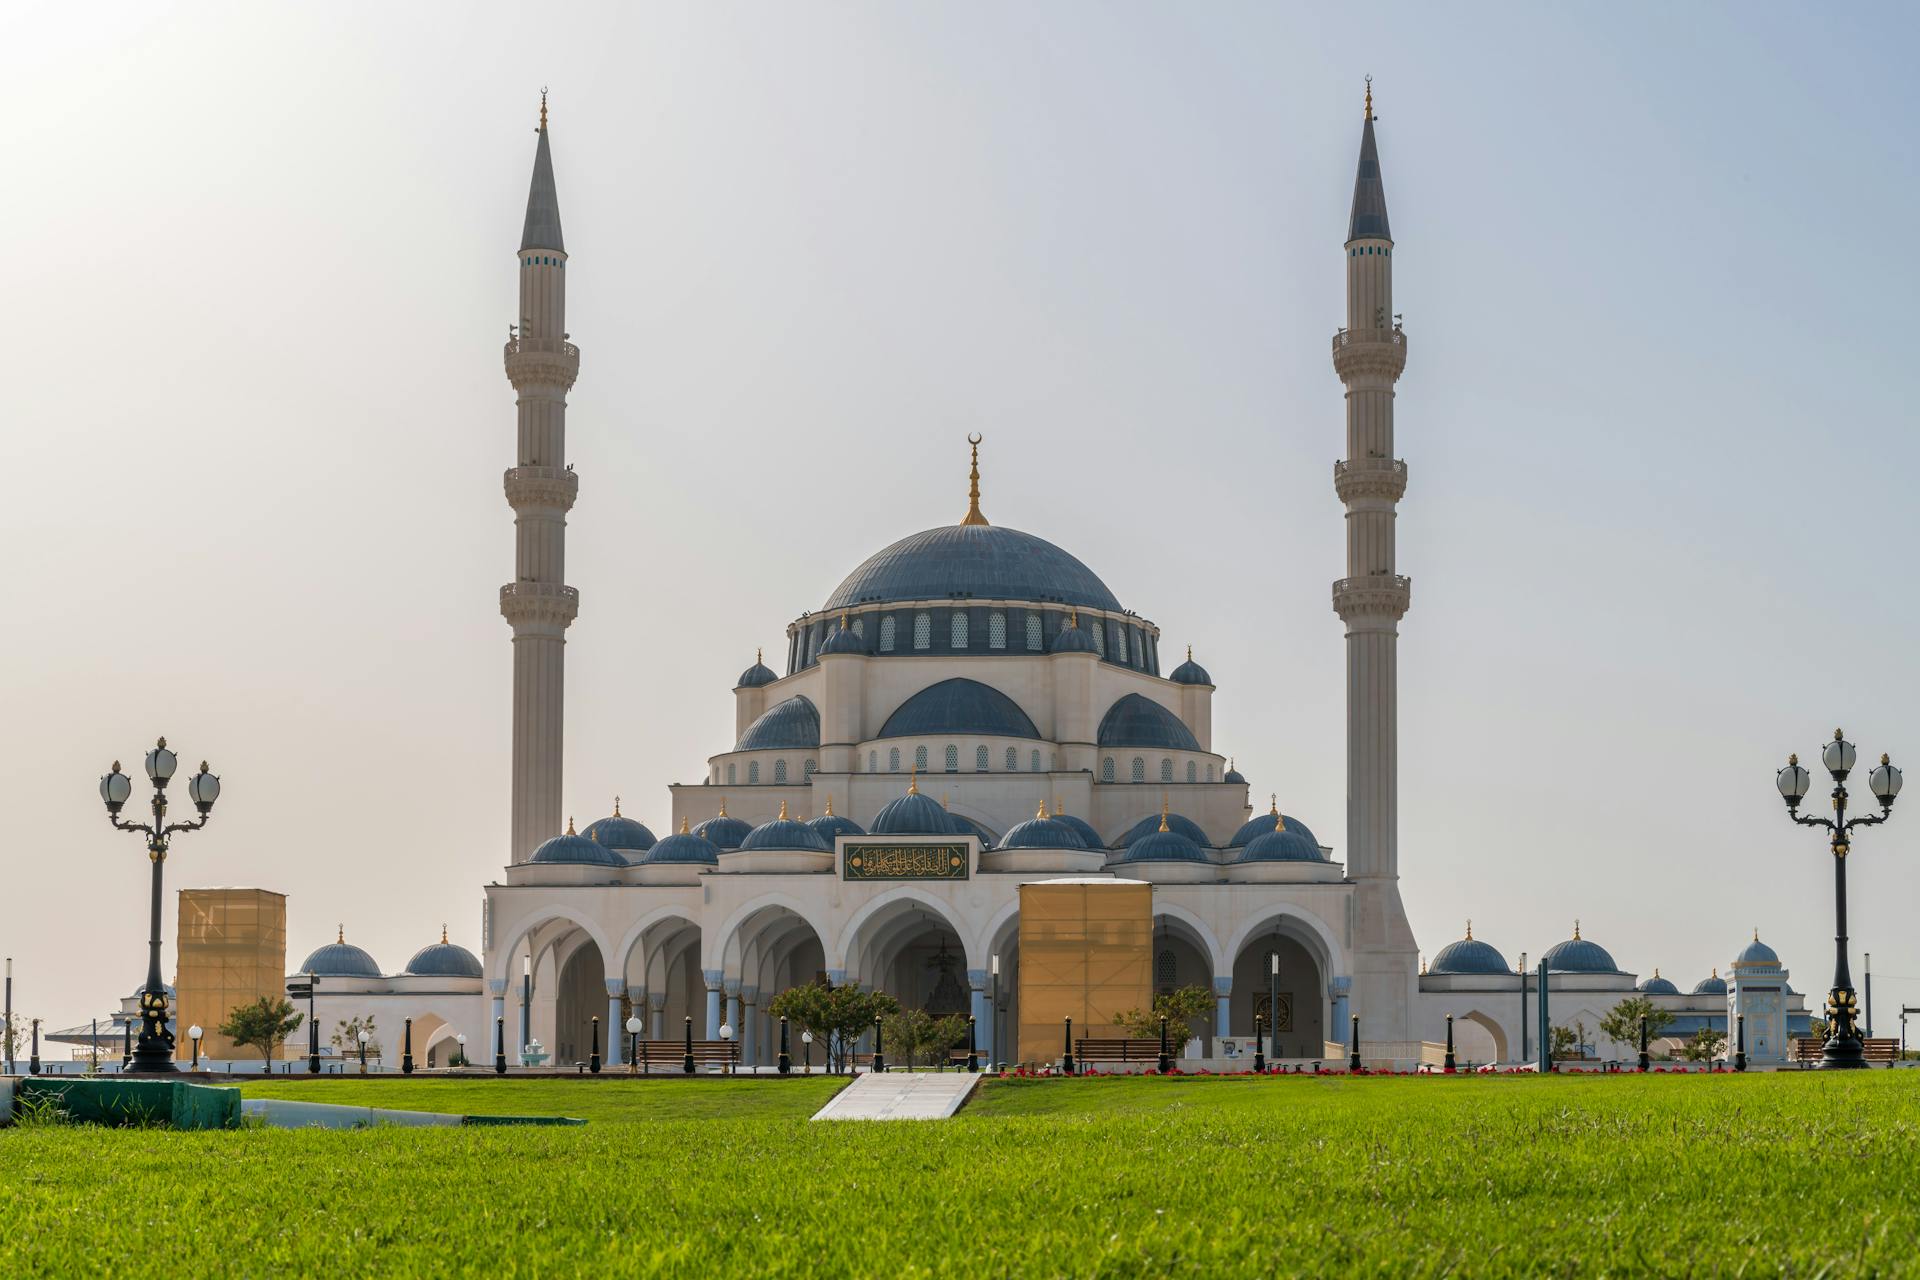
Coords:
901,1095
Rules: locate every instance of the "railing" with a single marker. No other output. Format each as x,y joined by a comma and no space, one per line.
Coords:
538,591
1350,337
1361,466
549,346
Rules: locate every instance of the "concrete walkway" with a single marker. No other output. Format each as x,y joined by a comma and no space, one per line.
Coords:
901,1095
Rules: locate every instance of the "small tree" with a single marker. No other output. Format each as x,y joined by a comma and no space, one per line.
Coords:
914,1035
837,1016
1179,1008
1704,1045
346,1035
264,1025
1565,1045
1622,1023
16,1036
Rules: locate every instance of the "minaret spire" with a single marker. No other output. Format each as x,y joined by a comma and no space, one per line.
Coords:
541,487
973,515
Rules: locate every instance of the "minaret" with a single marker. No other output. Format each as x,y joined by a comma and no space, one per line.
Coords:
1368,355
541,365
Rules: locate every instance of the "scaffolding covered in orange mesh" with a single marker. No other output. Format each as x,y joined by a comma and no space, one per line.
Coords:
1086,953
232,951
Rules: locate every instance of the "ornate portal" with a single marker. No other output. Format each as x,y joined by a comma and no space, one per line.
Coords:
1263,1007
904,862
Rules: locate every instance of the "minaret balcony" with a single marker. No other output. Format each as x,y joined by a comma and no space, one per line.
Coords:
1370,478
542,362
541,487
536,605
1388,594
1360,353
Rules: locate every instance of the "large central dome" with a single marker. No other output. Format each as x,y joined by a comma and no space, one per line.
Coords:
972,561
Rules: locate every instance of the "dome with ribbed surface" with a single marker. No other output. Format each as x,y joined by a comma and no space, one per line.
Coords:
912,815
620,834
755,676
1190,672
444,959
722,831
793,723
1265,824
830,825
576,850
341,959
1468,955
1163,846
683,848
1757,952
1082,828
1073,638
1042,832
844,639
1283,844
785,833
1576,955
1234,775
959,705
962,561
1657,986
1139,721
1150,824
1714,985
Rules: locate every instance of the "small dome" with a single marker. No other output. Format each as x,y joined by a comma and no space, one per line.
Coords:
1468,955
682,847
1282,844
1657,986
1714,985
1042,832
1082,828
829,825
912,815
1138,721
1072,638
341,959
756,675
1757,952
576,850
1148,825
844,640
1265,824
721,831
793,723
1165,843
785,833
1191,672
1234,775
444,959
620,834
1576,955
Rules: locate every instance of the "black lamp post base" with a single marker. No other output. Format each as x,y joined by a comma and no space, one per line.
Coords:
1843,1055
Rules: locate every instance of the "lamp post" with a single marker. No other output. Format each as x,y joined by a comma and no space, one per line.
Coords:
785,1062
633,1043
194,1033
33,1062
973,1051
593,1056
1067,1062
1740,1042
1273,994
155,1050
500,1046
1353,1054
686,1063
406,1049
1449,1061
993,1026
6,1034
806,1048
313,1028
1523,1006
1843,1048
1259,1048
1645,1062
879,1050
363,1037
460,1039
126,1044
1166,1058
726,1038
1869,994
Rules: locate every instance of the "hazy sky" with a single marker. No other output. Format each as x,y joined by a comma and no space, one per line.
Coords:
260,261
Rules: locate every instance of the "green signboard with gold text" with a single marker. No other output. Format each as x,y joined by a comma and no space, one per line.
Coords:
903,862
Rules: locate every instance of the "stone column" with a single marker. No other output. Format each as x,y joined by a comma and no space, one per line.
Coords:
982,1013
616,1025
732,987
1340,988
1222,992
657,1002
749,1041
499,1011
712,978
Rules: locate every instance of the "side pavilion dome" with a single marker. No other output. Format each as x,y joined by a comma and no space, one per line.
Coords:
830,824
1712,985
1469,955
980,561
576,850
785,833
1757,952
1163,821
911,815
341,959
444,959
682,847
620,834
722,831
1576,955
1042,832
1658,986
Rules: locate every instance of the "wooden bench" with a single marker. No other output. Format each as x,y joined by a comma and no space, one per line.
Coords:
1809,1049
671,1055
1091,1050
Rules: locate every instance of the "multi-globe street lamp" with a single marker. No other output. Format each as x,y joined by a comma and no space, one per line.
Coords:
1844,1048
154,1053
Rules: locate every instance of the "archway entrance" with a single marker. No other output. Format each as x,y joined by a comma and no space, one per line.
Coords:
1478,1038
1293,1007
581,996
772,950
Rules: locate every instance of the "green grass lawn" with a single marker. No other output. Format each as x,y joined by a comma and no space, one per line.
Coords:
1794,1175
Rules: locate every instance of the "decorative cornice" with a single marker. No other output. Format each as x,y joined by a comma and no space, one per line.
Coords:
533,604
534,362
1388,594
1360,353
541,487
1370,478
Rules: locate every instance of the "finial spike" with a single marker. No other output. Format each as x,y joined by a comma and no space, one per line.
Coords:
1163,811
1189,653
685,826
341,936
570,830
1273,801
973,515
1756,933
829,804
443,935
783,810
1576,931
543,108
1469,929
1041,812
616,806
759,655
1369,97
913,779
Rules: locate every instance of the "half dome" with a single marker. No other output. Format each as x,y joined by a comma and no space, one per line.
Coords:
1265,824
958,705
681,848
621,834
784,725
576,850
972,561
1138,721
722,831
1042,832
1082,828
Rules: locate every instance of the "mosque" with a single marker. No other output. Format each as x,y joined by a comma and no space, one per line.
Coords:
972,710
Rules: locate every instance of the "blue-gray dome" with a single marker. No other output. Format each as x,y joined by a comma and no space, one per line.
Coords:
444,959
1082,828
1163,846
844,640
1576,955
1657,986
830,824
1468,955
912,815
1150,824
1139,721
958,705
341,959
785,833
1190,672
1283,844
683,847
1074,639
1711,986
1042,832
618,833
576,850
1234,775
756,675
1757,952
793,723
961,561
1264,824
723,832
968,827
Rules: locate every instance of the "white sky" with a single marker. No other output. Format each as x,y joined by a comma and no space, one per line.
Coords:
260,262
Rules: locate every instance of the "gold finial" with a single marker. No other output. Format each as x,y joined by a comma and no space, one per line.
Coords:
1189,653
1469,930
1656,971
341,936
543,108
616,806
570,830
1837,737
1041,812
1576,931
1716,971
1793,757
829,805
1073,617
783,811
1163,811
683,824
913,779
723,806
759,655
1756,933
1423,964
1279,820
1369,97
1883,760
973,515
1273,800
443,935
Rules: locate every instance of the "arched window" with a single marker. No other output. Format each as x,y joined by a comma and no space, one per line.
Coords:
1193,772
806,770
1106,769
953,758
1033,761
996,630
1139,769
1013,759
873,762
959,628
893,759
980,759
920,759
1099,630
1119,642
733,774
753,772
1164,971
922,630
1166,771
779,771
860,627
886,633
1209,773
1034,635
